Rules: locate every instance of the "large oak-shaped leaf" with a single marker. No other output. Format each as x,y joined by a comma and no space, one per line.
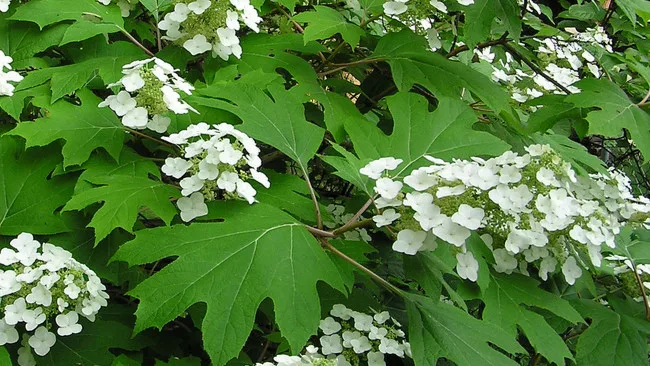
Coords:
615,112
277,118
28,197
504,305
445,133
123,197
257,252
411,63
440,330
83,127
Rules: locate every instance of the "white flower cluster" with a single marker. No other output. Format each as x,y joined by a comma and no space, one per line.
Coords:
562,60
149,93
398,7
217,159
419,19
7,76
351,338
532,209
340,218
125,5
204,25
42,285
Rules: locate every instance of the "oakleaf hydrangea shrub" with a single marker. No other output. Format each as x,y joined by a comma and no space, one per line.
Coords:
150,93
210,25
349,337
217,163
7,76
533,210
43,293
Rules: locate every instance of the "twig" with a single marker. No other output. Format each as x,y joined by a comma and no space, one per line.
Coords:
158,41
300,29
643,294
479,46
524,8
608,14
644,100
135,41
345,65
320,232
138,133
355,225
354,218
312,193
372,274
534,67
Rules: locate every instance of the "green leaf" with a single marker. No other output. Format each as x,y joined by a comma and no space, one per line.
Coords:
85,29
553,109
123,197
129,164
106,59
289,193
632,8
46,12
356,250
28,198
81,243
5,360
480,15
445,133
26,39
15,104
615,112
412,63
441,330
428,270
576,154
91,346
268,53
90,129
634,245
257,252
277,120
325,22
348,166
612,339
504,300
155,6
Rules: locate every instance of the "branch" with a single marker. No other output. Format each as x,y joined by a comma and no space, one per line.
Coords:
534,67
300,29
138,133
643,294
644,100
359,266
312,193
135,41
354,218
479,46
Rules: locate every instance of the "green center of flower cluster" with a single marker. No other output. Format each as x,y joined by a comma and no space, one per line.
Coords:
206,23
57,290
210,190
150,96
